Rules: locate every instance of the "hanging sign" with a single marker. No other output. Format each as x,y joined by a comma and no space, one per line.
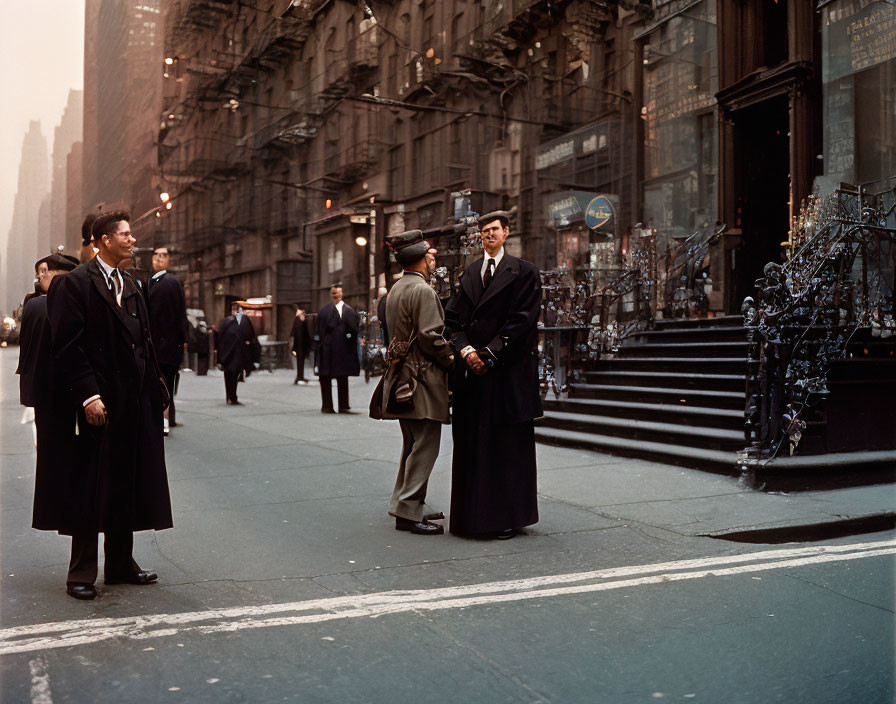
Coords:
599,212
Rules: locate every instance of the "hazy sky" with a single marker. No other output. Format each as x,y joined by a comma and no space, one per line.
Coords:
41,58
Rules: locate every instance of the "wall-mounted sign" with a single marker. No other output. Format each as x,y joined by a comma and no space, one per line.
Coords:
579,143
599,212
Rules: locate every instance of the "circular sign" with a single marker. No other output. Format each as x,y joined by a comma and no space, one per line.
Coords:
599,212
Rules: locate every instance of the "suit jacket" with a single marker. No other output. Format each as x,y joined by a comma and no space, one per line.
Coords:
501,322
237,344
413,308
167,318
337,341
116,479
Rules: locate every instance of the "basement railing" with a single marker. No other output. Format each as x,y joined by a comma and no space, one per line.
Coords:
837,280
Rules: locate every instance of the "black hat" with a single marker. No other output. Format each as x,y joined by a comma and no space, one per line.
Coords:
57,262
408,247
501,215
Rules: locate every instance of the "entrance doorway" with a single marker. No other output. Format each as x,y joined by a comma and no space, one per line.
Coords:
762,183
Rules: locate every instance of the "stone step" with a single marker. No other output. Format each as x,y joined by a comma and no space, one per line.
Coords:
681,380
687,350
678,365
675,412
731,400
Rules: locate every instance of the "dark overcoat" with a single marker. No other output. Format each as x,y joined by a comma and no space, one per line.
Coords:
116,479
337,341
41,388
301,338
493,472
167,319
503,318
237,344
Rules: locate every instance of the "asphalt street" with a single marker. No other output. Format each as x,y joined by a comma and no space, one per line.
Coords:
285,580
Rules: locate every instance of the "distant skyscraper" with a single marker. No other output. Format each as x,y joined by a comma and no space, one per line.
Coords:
67,132
22,241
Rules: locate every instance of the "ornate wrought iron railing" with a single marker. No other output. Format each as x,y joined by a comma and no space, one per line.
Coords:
837,280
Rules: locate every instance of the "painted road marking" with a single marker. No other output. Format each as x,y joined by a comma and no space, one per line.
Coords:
40,681
64,634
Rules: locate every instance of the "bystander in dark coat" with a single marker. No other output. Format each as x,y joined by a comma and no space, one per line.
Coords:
301,343
238,350
167,323
337,350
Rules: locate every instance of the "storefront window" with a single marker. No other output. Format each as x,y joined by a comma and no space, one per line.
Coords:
859,85
680,82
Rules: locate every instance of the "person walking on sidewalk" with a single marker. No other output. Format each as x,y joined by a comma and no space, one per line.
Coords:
493,319
415,315
116,482
301,343
237,348
167,323
337,350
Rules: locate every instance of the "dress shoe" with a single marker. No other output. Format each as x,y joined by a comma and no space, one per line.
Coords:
327,410
418,527
433,517
233,402
141,578
506,534
81,591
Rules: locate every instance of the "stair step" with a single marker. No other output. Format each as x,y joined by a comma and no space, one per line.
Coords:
732,333
732,400
713,350
730,365
658,412
697,458
674,433
690,323
692,380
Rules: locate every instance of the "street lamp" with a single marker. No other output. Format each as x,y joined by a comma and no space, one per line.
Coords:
164,196
361,241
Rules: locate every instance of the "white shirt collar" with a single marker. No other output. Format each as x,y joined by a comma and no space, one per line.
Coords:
339,307
485,257
160,274
106,269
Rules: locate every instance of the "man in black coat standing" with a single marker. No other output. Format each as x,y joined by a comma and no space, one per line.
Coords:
167,323
41,388
115,482
493,321
238,349
301,343
337,350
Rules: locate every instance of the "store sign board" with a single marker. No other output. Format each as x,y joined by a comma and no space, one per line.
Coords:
596,210
579,143
859,40
599,212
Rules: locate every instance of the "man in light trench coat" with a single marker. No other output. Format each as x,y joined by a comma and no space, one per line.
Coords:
413,311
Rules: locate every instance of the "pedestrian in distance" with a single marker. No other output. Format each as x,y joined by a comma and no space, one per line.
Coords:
493,318
87,251
301,343
382,294
168,324
115,482
201,347
42,389
337,350
238,350
417,322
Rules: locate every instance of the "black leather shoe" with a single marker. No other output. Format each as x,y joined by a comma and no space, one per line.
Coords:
433,517
140,578
417,527
506,534
327,410
85,592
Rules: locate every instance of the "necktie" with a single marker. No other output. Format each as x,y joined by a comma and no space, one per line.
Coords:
489,273
116,285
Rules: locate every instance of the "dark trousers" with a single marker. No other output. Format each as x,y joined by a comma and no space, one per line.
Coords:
231,379
119,559
201,365
300,368
326,392
170,373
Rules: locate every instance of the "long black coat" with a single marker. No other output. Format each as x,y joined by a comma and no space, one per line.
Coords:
167,319
337,342
503,318
116,477
301,338
237,344
41,388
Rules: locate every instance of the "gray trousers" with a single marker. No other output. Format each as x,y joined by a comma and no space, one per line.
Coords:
418,455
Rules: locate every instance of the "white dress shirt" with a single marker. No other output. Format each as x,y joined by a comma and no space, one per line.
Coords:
498,257
339,307
107,274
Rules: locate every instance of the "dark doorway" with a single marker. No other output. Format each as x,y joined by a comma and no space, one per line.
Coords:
762,180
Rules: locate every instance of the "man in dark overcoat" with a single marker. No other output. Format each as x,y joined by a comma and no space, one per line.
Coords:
415,314
337,350
238,349
493,320
41,388
116,482
167,323
301,344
